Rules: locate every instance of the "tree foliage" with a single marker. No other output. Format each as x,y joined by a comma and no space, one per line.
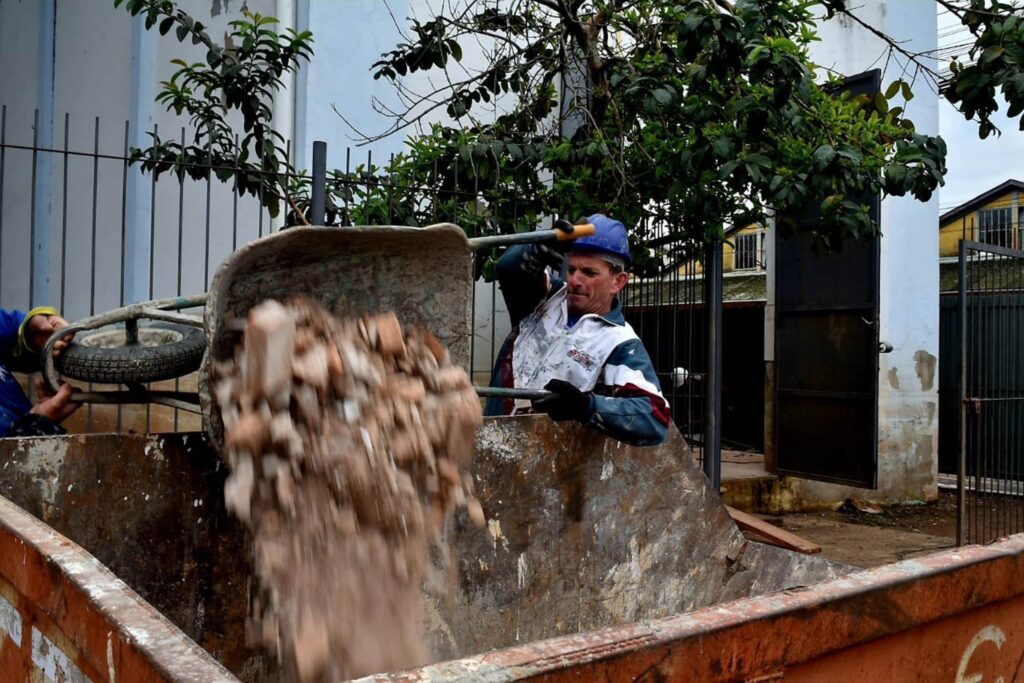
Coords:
698,115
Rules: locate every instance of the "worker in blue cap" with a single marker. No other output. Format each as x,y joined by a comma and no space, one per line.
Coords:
569,337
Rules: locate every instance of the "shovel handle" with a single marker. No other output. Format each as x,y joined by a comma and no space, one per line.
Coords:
584,230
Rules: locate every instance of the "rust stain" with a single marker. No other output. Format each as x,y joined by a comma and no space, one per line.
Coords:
924,367
894,379
72,612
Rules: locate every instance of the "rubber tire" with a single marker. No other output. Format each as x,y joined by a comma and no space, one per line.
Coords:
134,363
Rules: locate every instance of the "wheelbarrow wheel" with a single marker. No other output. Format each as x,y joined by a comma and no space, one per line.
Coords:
164,351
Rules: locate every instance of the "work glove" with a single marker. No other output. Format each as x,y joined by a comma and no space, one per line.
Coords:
540,255
565,402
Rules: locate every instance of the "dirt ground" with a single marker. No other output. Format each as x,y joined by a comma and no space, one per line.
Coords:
868,540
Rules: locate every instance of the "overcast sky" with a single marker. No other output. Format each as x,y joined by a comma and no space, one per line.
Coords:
975,165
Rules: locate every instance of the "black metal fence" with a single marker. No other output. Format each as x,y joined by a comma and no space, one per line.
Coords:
990,476
84,229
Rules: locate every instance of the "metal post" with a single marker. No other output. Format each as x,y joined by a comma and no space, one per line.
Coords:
318,198
961,473
713,378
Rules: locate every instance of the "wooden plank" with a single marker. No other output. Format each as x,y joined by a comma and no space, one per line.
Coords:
779,536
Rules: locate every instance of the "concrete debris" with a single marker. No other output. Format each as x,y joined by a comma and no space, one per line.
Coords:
346,440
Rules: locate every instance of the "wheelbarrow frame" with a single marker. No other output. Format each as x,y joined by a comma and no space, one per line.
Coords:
167,310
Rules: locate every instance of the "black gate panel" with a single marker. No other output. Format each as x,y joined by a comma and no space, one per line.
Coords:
990,481
826,350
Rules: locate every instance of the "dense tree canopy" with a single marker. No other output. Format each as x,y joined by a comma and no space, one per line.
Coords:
692,115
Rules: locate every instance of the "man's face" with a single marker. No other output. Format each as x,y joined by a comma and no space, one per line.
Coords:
593,283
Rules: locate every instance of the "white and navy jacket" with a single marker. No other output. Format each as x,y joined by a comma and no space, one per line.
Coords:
599,354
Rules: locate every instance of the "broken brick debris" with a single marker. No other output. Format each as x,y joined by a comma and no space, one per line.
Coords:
345,439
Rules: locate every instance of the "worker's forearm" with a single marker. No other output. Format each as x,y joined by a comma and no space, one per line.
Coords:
522,290
631,420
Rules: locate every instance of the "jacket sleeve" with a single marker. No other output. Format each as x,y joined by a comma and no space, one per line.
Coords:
522,291
10,333
630,406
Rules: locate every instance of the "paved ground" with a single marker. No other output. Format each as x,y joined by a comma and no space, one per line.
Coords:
868,540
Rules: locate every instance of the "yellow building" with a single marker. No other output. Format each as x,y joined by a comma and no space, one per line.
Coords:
993,217
743,252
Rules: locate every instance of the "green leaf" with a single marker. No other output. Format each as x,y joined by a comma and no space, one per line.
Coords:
722,147
991,54
824,155
664,97
893,88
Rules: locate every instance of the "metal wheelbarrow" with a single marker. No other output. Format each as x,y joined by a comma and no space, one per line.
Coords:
424,275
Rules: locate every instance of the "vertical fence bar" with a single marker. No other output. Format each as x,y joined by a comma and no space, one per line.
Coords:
32,220
284,181
713,353
152,224
124,231
234,199
1004,348
181,218
62,269
3,168
346,220
93,231
181,247
152,255
94,227
206,244
318,193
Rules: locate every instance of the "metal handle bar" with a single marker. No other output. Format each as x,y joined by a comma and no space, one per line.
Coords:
561,234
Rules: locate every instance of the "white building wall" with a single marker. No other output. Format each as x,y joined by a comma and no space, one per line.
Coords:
77,62
909,273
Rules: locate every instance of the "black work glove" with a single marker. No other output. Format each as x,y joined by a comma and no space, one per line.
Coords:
566,402
540,255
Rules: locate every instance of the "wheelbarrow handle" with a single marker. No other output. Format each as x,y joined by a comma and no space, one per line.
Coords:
560,235
504,392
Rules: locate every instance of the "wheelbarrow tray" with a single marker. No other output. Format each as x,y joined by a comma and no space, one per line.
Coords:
423,275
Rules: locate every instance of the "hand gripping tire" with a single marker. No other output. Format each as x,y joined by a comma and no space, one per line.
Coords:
164,351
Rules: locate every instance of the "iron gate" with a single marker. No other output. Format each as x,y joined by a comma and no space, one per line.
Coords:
990,475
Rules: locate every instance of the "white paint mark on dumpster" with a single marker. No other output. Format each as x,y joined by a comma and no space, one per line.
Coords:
494,529
111,673
52,663
10,621
607,470
521,570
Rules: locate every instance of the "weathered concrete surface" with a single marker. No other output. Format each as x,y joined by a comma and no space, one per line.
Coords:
585,532
150,508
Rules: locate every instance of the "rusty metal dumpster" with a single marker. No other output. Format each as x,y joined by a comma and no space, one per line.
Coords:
599,562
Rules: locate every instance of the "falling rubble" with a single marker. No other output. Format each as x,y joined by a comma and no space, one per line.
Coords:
346,440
